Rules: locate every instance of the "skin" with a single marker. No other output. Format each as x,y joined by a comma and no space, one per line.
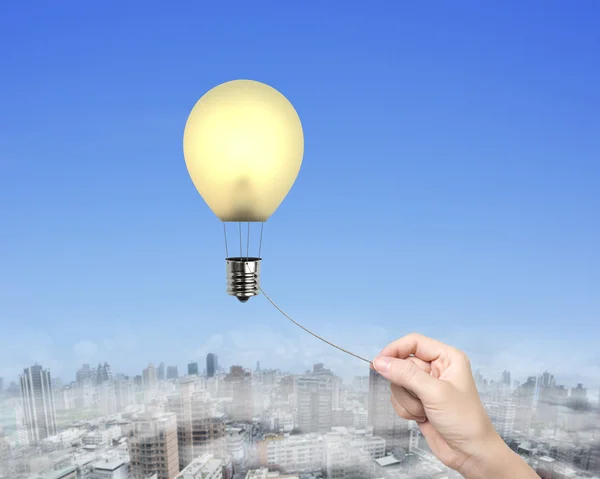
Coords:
433,384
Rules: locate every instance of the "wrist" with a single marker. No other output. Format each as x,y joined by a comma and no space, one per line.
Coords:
496,461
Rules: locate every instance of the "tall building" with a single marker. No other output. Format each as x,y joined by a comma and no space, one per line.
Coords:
524,397
172,372
198,430
82,374
240,384
153,446
193,369
211,365
38,403
315,403
149,376
103,373
1,384
160,372
579,392
386,423
502,414
506,378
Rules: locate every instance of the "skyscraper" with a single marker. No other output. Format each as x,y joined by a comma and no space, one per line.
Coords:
240,384
82,374
172,372
153,446
38,403
211,365
149,375
103,373
198,431
160,372
386,423
315,403
193,369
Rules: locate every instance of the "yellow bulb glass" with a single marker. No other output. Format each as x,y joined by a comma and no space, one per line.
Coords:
243,146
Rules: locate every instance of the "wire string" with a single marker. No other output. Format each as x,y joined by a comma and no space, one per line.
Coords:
309,331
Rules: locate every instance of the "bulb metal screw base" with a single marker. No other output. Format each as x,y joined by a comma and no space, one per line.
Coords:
243,277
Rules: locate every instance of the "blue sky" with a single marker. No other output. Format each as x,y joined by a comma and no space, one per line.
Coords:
449,184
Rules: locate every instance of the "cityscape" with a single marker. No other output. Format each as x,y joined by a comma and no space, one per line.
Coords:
212,422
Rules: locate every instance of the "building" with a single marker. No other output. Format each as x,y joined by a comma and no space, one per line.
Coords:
502,414
103,373
160,372
382,417
239,382
110,468
524,397
291,453
153,446
192,369
199,431
263,473
351,455
38,403
150,378
315,403
211,365
203,467
172,372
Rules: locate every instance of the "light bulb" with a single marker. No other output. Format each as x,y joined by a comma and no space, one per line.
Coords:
243,146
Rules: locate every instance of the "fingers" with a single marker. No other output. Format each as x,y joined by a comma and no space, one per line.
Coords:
403,413
424,365
408,375
410,403
416,344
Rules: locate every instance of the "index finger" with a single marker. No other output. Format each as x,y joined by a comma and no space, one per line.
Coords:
420,346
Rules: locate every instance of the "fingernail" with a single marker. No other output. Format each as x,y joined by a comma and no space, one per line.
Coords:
382,364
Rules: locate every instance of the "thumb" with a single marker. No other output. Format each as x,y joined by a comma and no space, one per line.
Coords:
408,375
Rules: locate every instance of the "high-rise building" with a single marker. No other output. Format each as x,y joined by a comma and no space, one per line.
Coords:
239,382
172,372
160,372
315,403
1,384
386,423
523,399
193,369
38,403
82,374
211,365
506,378
153,446
579,392
103,373
149,375
198,430
502,414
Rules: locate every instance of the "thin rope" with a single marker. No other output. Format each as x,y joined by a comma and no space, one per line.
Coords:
260,244
248,243
309,331
225,234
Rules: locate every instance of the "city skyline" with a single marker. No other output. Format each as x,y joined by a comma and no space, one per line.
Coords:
461,142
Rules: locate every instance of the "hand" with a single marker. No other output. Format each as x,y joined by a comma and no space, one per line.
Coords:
432,384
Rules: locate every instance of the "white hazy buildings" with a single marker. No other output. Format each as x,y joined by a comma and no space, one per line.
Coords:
349,455
203,467
291,453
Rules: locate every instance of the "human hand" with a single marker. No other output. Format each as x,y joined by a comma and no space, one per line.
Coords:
432,384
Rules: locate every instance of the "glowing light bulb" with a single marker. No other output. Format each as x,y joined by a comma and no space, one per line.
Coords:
243,146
